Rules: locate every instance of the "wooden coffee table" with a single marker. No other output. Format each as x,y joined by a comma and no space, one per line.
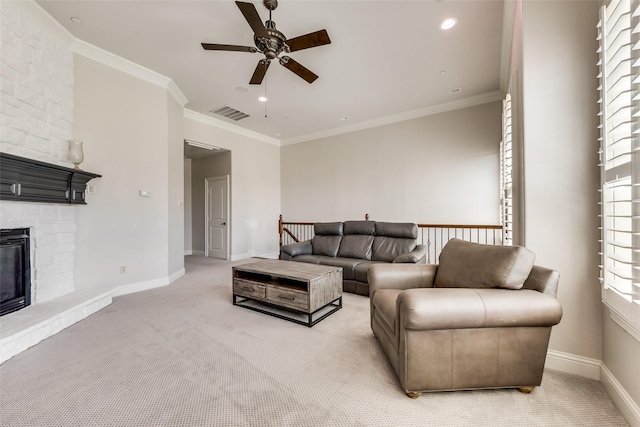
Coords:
289,290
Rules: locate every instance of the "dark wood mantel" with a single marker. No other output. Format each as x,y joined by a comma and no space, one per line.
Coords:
27,180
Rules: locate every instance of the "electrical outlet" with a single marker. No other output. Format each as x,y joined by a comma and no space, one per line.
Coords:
123,269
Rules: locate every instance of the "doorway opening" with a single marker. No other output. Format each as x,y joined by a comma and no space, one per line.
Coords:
199,166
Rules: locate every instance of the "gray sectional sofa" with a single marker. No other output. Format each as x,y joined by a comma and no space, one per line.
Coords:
356,245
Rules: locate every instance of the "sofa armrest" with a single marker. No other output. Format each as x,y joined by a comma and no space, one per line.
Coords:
466,308
294,249
416,256
400,276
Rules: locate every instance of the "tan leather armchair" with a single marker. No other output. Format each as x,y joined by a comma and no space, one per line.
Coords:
480,319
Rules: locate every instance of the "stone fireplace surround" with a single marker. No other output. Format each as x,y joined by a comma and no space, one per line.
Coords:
36,110
55,303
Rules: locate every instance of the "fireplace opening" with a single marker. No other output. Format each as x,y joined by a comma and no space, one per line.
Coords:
15,270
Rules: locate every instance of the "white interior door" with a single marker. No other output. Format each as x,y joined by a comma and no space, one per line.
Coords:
217,217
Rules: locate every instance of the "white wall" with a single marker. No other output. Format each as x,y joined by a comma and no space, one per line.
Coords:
442,168
255,188
124,123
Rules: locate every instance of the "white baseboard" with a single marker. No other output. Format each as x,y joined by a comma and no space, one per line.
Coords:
629,409
188,252
175,276
572,364
238,257
254,254
140,286
200,253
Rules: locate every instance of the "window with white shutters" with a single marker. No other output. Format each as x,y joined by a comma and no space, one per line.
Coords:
506,173
619,78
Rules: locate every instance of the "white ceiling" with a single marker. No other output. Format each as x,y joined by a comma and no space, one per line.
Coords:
386,58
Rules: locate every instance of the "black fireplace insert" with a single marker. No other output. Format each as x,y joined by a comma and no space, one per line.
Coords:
15,270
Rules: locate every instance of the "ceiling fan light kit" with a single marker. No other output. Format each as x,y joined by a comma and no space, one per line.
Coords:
272,43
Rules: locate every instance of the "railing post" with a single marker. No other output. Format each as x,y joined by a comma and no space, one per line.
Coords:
366,217
280,228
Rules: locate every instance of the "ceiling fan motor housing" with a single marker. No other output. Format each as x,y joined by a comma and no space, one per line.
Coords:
270,4
274,45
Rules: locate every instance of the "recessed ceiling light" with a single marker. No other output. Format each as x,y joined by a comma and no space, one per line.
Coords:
455,90
262,99
343,118
443,72
76,20
242,89
448,23
278,134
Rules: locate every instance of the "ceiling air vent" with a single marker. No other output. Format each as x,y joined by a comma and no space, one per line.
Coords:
230,113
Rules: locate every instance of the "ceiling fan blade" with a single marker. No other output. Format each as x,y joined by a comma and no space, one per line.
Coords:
318,38
251,15
298,69
230,47
260,71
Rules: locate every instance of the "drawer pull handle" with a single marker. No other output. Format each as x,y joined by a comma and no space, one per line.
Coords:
287,298
249,289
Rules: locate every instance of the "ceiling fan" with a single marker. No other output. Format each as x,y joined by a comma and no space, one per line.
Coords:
271,42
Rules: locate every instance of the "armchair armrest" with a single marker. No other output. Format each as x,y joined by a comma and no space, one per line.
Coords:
417,255
400,276
294,249
465,308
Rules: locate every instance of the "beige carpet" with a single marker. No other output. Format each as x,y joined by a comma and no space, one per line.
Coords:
183,355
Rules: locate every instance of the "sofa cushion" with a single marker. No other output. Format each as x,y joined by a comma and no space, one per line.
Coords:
356,246
311,259
405,230
465,264
388,248
348,265
328,228
362,270
360,227
326,245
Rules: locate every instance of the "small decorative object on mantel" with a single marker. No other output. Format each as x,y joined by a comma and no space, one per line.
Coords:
28,180
76,156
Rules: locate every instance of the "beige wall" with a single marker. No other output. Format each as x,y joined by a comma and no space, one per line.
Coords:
175,176
123,122
255,188
206,167
442,168
560,154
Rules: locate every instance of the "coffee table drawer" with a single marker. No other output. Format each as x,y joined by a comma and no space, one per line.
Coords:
248,289
287,298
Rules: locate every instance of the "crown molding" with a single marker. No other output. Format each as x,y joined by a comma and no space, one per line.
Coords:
174,90
48,21
119,63
202,118
408,115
